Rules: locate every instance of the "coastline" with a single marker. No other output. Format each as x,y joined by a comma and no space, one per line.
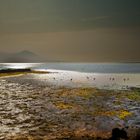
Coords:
60,78
19,72
110,81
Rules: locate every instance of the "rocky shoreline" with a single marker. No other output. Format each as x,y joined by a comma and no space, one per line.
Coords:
33,111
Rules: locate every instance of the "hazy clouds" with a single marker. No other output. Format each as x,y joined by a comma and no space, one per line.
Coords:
72,30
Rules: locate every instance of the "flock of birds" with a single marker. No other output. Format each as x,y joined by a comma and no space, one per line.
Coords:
111,79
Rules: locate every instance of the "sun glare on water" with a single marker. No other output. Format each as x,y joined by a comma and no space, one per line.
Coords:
19,65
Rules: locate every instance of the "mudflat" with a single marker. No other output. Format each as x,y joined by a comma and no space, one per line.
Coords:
30,110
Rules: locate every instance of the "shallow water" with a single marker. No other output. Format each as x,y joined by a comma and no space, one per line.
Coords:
36,104
80,67
28,108
101,75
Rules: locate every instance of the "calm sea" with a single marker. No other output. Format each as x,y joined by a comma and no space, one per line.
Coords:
81,67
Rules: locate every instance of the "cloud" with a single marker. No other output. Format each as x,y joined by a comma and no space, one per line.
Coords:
19,20
97,18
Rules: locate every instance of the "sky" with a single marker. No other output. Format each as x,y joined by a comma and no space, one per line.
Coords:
72,30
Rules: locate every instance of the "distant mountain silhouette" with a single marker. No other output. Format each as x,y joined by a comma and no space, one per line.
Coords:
19,57
25,54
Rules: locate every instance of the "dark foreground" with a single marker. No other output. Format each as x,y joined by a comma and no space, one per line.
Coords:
33,112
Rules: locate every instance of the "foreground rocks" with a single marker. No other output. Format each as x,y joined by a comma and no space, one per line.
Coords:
32,111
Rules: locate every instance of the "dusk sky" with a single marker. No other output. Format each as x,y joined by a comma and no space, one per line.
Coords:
72,30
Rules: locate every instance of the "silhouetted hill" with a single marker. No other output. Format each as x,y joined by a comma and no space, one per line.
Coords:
19,57
25,53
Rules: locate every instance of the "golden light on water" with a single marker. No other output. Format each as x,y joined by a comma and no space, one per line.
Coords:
19,65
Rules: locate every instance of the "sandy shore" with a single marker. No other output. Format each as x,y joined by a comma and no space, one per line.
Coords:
37,106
